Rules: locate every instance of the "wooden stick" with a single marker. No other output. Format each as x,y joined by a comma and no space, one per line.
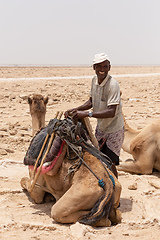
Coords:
90,131
41,151
48,148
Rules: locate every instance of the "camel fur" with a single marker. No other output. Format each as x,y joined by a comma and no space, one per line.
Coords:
78,196
37,105
144,146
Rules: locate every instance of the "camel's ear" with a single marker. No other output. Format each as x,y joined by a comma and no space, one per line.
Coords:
29,100
46,100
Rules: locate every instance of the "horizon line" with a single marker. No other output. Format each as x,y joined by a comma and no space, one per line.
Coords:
75,65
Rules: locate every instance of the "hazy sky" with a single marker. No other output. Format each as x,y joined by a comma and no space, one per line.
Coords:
71,32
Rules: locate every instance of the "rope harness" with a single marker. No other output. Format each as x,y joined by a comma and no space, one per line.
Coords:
74,135
71,134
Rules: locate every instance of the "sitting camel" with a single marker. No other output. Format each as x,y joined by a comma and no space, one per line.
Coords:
79,194
144,146
37,104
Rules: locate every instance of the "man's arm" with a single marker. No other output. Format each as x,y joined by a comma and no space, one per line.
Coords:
109,112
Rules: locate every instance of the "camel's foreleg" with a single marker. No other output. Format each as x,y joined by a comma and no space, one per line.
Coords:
37,194
142,165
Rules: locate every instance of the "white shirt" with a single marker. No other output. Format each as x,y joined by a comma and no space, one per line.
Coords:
103,95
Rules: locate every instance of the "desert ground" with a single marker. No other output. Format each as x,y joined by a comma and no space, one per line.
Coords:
20,217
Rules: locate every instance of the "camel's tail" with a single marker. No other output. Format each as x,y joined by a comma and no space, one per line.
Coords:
128,128
101,208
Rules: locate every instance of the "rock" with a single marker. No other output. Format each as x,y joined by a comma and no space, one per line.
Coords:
12,96
3,152
9,150
154,183
5,147
23,96
3,129
13,132
133,186
78,231
24,128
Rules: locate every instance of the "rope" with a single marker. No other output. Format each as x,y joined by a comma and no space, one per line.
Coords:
109,163
100,181
69,134
73,168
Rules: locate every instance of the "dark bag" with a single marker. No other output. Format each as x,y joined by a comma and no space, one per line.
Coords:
37,143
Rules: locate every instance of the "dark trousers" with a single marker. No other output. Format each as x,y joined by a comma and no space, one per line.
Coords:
114,158
110,154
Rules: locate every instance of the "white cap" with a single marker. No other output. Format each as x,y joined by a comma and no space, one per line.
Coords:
101,57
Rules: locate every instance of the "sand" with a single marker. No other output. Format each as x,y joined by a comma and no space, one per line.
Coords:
20,217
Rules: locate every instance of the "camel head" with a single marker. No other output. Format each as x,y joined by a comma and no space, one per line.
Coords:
37,104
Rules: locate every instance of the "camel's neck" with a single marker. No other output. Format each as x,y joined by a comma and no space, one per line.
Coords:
129,135
38,121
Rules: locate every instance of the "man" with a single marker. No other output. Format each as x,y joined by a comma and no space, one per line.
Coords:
107,108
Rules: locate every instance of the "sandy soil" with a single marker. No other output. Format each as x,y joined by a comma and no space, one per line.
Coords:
20,217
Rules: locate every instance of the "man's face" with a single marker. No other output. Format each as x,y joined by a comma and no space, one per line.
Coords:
101,70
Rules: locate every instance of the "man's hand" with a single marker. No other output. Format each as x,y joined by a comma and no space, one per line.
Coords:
69,112
79,114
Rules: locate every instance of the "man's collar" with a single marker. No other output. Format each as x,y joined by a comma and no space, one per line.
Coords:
104,81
